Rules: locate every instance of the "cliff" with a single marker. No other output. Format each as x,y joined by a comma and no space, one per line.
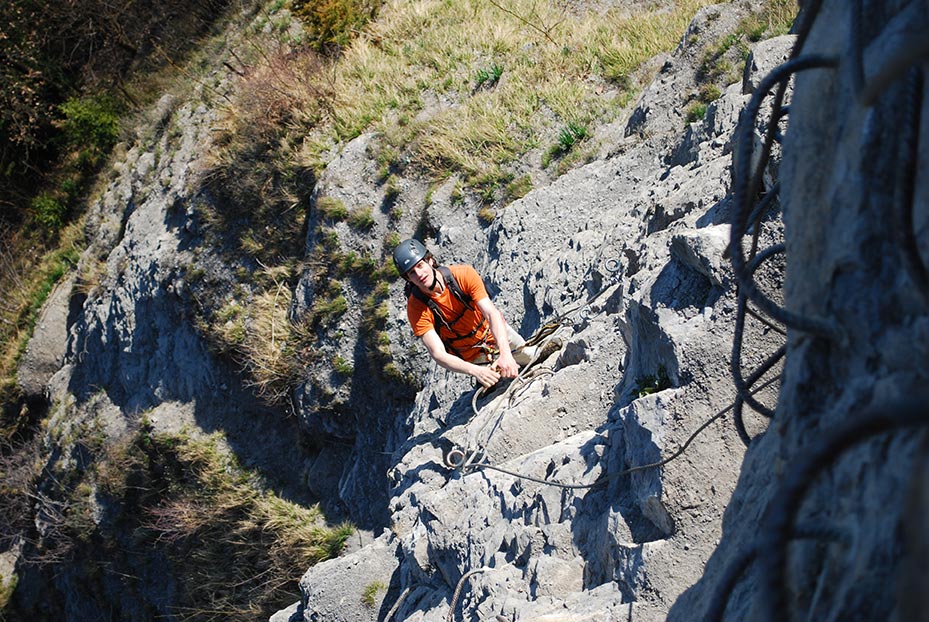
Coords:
649,468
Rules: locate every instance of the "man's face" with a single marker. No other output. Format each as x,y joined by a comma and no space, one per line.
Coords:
421,275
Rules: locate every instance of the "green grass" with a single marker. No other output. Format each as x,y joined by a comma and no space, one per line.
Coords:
332,208
647,385
488,76
361,218
342,366
695,112
444,46
25,284
568,137
214,520
369,594
518,188
718,64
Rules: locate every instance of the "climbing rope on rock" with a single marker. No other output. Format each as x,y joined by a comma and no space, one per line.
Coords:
605,478
458,589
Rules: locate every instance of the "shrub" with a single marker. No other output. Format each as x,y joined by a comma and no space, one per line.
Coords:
257,168
91,127
333,23
48,212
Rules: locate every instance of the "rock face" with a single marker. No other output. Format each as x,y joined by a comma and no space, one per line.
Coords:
610,482
627,252
854,194
640,240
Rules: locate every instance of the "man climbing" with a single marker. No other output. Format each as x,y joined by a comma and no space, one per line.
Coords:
449,309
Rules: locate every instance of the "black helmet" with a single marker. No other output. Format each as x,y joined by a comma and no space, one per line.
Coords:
408,253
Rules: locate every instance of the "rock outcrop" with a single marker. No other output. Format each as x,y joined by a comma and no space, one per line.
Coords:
627,252
609,482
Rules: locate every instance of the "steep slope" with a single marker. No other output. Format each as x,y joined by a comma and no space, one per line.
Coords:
626,251
827,520
542,520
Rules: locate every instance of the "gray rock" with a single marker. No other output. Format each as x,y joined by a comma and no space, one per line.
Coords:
45,352
703,250
763,58
360,586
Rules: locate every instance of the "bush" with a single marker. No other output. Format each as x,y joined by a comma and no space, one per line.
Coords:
48,212
91,126
332,24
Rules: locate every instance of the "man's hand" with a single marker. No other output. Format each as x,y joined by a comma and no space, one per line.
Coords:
486,375
506,365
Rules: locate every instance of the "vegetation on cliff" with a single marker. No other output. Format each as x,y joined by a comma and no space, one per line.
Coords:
493,94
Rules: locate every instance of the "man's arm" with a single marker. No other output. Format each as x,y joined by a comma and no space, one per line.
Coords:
505,363
484,374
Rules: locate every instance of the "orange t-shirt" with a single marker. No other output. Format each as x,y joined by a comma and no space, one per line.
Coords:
422,320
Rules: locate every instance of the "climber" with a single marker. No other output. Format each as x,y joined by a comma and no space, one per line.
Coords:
449,309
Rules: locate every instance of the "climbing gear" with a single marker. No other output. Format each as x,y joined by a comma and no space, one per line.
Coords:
409,253
449,325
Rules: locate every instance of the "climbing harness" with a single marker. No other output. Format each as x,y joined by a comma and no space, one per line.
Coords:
449,325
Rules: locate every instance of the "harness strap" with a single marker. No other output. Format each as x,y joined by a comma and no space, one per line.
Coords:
465,299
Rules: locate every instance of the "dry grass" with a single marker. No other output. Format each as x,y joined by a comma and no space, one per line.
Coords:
420,51
238,549
269,345
234,548
259,163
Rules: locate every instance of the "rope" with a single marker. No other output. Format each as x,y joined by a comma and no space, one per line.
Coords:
393,610
458,588
784,504
746,187
737,568
611,476
908,54
525,377
905,182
